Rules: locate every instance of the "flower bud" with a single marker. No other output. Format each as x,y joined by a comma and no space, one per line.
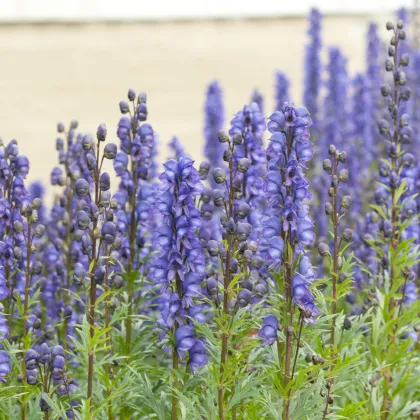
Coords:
227,155
400,77
131,95
346,202
39,231
101,132
391,51
87,142
327,165
34,216
124,108
105,182
342,157
244,298
204,170
243,210
237,139
86,245
104,198
323,249
404,60
79,274
108,232
243,231
110,151
401,35
347,235
328,208
26,209
405,93
81,187
117,282
18,226
219,175
331,150
243,165
60,127
389,26
142,98
83,220
385,90
223,136
17,252
218,197
36,268
91,161
343,175
213,248
389,64
36,203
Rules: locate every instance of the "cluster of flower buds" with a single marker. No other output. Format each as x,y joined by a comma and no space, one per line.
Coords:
48,364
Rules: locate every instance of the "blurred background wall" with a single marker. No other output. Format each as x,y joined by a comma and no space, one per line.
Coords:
75,59
29,10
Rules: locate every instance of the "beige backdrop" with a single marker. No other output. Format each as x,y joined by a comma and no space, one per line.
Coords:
56,73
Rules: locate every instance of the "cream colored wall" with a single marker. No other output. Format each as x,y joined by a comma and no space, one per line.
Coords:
53,73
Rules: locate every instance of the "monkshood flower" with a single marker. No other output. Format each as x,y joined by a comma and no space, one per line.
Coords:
282,94
134,165
268,332
287,191
313,66
176,148
393,194
247,129
178,265
288,228
214,120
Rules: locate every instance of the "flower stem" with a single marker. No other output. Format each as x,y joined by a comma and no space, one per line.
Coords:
108,333
334,274
387,399
25,309
92,295
175,366
226,283
175,359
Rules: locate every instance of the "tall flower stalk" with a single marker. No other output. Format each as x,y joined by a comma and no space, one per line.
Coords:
335,210
178,266
289,228
132,165
390,193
